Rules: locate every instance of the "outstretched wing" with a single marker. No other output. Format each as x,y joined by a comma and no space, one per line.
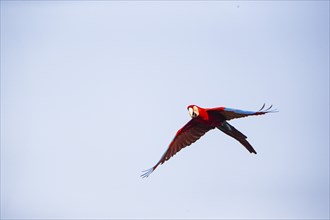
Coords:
184,137
231,113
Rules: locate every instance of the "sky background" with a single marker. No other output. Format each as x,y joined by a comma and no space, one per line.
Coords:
93,92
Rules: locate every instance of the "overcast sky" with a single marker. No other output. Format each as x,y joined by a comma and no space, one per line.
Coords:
92,93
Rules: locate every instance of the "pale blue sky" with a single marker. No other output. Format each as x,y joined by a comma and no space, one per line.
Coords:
93,92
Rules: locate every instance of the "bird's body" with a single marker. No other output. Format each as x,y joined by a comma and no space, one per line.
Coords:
203,120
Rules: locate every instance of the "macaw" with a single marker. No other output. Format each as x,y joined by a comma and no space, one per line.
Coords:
203,120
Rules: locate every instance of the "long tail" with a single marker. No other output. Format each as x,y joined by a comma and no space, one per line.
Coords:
234,133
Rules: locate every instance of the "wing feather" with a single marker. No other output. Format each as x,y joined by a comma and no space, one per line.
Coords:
232,113
184,137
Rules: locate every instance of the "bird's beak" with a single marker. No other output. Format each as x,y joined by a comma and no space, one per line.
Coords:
191,112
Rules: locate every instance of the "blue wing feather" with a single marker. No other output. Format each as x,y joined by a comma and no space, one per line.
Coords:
238,111
232,113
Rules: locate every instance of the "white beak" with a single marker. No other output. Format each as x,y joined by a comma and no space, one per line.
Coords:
191,112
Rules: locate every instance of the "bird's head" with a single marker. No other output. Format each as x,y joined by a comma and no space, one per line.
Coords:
193,111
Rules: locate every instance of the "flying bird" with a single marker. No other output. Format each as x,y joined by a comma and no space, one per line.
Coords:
203,120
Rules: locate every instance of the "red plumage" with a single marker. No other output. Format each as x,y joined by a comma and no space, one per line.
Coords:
203,120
